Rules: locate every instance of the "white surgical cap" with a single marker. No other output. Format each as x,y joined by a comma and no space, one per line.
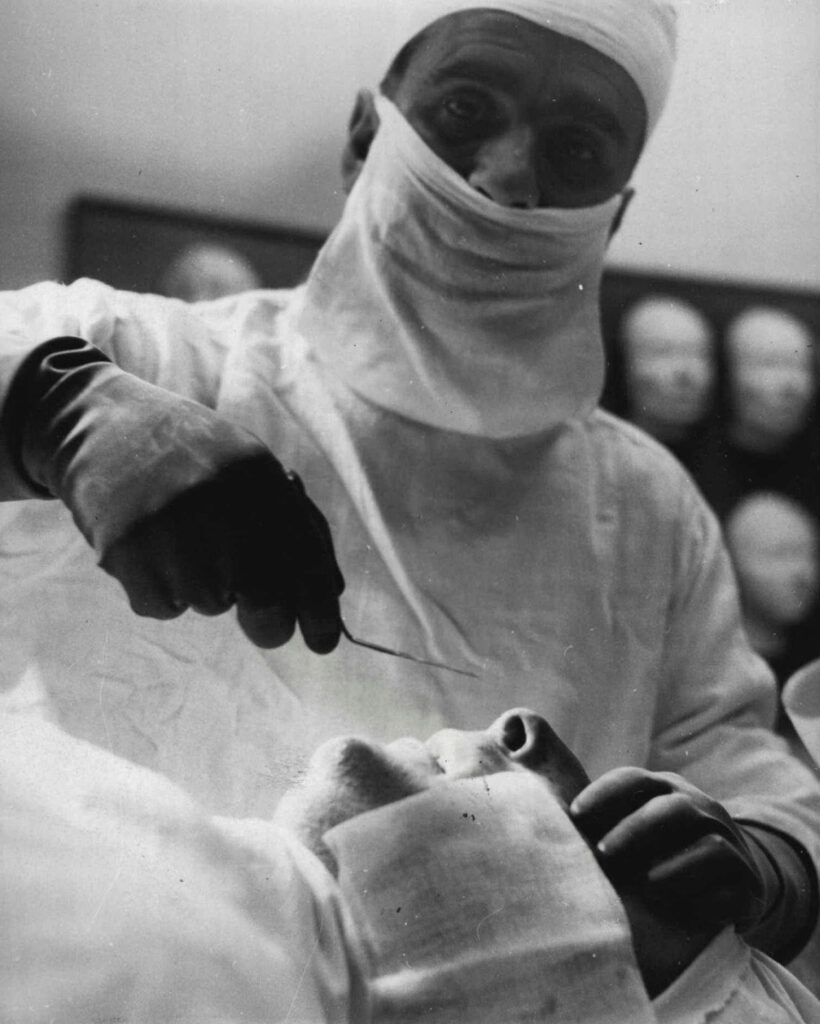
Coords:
639,35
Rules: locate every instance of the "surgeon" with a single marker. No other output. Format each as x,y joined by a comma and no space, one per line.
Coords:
410,443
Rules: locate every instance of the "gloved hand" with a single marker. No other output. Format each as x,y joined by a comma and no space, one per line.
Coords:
684,854
181,506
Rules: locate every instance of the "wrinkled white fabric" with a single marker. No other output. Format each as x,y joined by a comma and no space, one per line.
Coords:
579,574
729,983
123,902
478,901
640,35
801,699
433,301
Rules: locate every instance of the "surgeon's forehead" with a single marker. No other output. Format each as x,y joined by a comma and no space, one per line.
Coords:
506,51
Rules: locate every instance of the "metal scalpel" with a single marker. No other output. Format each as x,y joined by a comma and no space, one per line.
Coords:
402,654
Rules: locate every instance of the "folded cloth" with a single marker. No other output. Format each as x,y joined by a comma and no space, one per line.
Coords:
801,699
478,900
730,983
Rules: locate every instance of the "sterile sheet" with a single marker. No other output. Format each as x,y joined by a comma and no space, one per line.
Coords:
122,902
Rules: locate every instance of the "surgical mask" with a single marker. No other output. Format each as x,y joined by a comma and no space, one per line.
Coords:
478,900
434,302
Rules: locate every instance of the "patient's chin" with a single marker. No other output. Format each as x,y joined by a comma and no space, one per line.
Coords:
346,777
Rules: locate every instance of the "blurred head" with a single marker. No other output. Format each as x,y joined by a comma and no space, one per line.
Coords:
771,377
350,776
774,546
667,347
206,271
529,115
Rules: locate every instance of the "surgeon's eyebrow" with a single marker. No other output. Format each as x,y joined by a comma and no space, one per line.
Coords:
475,69
578,102
593,112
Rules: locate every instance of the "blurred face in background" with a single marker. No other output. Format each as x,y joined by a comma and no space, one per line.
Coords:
774,545
205,271
771,378
670,373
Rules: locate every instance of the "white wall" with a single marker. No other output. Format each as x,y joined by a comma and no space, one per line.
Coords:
731,182
238,107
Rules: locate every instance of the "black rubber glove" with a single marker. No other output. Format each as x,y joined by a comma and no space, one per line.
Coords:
684,854
184,508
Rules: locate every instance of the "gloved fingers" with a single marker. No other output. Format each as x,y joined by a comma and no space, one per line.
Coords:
658,828
171,553
274,593
318,615
270,605
321,533
611,798
195,559
710,862
147,589
318,579
212,603
710,881
265,625
263,570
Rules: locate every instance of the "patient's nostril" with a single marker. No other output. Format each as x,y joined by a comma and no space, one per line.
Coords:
514,733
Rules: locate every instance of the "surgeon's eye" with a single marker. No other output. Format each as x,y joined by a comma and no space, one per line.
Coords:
580,149
578,156
465,114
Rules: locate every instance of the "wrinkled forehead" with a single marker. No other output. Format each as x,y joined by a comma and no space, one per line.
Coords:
638,35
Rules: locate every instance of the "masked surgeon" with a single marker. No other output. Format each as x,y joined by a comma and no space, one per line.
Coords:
432,387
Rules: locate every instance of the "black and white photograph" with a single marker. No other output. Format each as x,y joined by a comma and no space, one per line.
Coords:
410,512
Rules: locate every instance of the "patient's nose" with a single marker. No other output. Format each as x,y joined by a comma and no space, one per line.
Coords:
525,736
528,740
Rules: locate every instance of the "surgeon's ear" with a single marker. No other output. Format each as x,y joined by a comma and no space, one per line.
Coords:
627,196
360,132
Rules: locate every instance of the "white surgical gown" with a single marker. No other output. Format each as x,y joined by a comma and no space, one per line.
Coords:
579,573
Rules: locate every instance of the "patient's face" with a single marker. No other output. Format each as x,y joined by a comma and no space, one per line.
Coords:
349,776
